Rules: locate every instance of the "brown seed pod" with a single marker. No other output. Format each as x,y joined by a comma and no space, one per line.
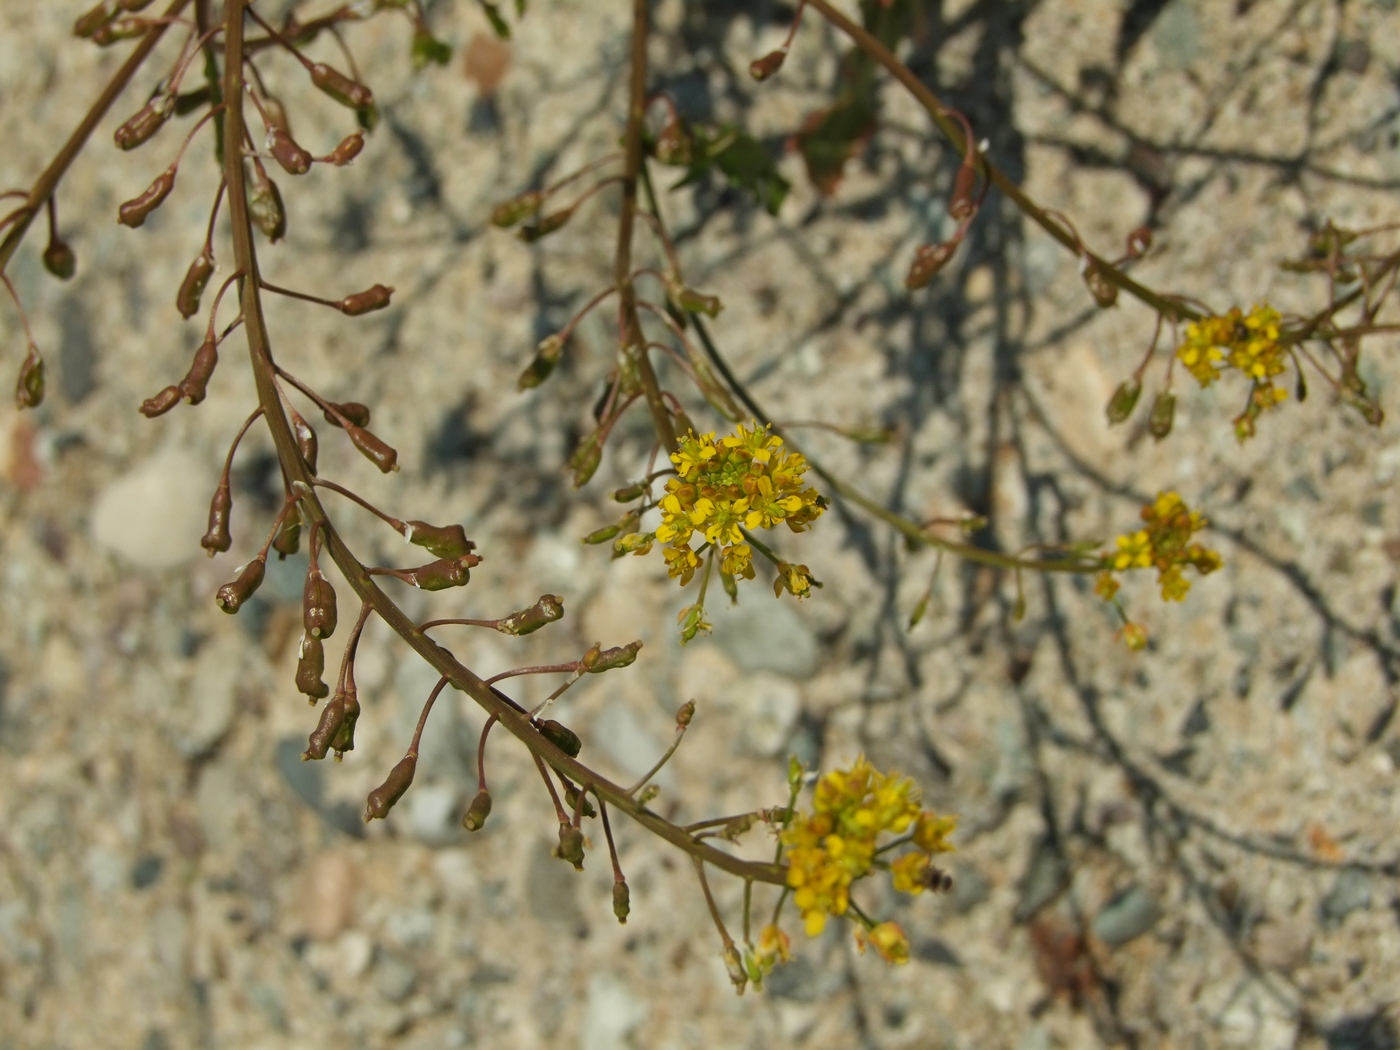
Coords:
195,385
135,211
319,742
192,287
311,664
307,444
382,798
763,68
232,595
376,451
59,259
150,118
338,86
29,388
478,811
318,605
161,403
352,410
292,158
376,298
218,539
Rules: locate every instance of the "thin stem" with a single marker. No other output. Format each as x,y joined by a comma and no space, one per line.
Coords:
724,937
388,519
680,734
423,716
559,809
481,754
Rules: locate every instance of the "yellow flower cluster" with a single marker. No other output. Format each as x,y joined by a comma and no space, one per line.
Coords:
828,850
1248,343
1165,544
742,481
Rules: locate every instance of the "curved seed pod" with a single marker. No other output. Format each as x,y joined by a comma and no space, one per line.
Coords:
59,259
376,451
628,493
584,462
446,541
596,661
602,535
231,596
311,664
622,901
306,440
444,573
29,388
319,742
928,260
292,158
344,738
338,86
549,608
161,403
351,410
95,18
541,366
265,204
763,68
1159,423
192,287
217,539
571,801
570,846
478,811
561,736
288,538
348,150
1123,401
517,209
195,385
382,798
318,605
135,211
376,298
140,127
960,205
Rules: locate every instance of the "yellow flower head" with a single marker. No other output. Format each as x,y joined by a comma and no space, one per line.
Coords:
743,481
1164,544
891,942
1248,343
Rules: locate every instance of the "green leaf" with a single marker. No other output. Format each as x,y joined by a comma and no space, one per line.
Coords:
493,15
743,160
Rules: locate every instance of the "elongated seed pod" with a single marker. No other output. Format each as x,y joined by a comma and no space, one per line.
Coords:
135,211
382,798
192,287
29,388
218,538
338,86
161,403
142,126
231,596
311,664
195,385
376,451
293,159
318,605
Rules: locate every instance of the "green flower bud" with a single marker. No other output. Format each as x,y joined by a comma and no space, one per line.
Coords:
570,846
95,18
571,801
546,225
444,573
478,811
622,901
1159,422
382,798
517,209
1123,401
59,259
540,368
446,541
265,204
429,50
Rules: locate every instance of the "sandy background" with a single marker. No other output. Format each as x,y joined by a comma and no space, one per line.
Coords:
1193,847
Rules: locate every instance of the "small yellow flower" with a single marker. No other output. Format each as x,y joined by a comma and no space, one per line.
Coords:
1165,544
909,873
891,942
1248,343
931,832
1134,636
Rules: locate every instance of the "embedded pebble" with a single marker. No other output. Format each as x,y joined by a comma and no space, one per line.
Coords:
152,516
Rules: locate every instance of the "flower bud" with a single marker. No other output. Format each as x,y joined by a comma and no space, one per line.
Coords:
217,539
319,742
195,385
1123,401
376,298
135,211
928,260
763,68
382,798
355,412
311,664
1105,293
602,535
596,661
293,159
232,595
428,50
149,119
549,608
546,225
338,86
343,739
638,543
59,259
547,355
517,209
688,300
478,811
265,204
570,846
307,444
288,538
29,388
561,736
376,451
584,462
444,573
120,29
1159,422
95,18
192,287
622,901
318,606
734,966
348,150
1134,636
446,541
161,403
574,801
628,493
684,714
648,794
